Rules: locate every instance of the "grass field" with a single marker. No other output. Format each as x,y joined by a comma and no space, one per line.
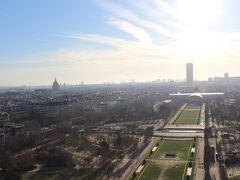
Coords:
159,167
175,172
151,172
188,116
180,148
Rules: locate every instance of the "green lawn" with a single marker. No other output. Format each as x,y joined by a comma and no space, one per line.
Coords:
180,148
154,170
175,172
151,172
188,117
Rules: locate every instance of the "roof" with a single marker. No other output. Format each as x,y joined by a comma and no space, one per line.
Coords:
202,94
196,95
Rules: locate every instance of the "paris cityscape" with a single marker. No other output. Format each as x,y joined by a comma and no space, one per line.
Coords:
120,90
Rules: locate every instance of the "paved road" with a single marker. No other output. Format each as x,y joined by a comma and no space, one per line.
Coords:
139,159
200,172
214,168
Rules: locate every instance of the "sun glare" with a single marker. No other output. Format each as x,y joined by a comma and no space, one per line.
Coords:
200,44
197,15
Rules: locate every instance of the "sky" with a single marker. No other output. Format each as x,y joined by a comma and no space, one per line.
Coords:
98,41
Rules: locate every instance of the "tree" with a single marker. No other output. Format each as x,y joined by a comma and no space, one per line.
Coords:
149,131
25,161
118,140
7,165
5,159
134,175
144,161
55,158
150,153
104,144
192,154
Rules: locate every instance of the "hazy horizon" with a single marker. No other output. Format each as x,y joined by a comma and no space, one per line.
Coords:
100,41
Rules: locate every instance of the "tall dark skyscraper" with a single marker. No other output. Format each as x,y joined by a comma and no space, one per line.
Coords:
189,73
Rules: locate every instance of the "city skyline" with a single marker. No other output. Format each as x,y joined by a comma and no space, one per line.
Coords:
111,41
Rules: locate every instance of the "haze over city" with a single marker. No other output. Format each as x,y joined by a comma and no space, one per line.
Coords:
100,41
120,90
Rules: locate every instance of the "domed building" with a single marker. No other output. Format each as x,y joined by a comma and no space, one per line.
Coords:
55,85
195,98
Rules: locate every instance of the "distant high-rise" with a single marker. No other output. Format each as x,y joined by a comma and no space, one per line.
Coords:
189,73
226,75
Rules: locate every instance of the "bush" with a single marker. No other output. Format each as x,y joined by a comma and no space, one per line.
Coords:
150,153
134,175
192,154
25,161
55,158
104,144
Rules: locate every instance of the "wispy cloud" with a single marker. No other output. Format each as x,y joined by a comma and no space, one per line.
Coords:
137,32
124,13
150,39
166,7
111,41
156,41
